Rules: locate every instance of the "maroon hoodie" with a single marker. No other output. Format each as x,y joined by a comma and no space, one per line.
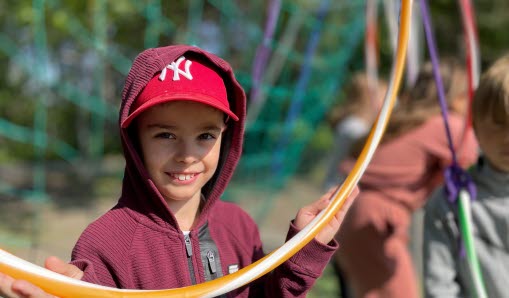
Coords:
138,243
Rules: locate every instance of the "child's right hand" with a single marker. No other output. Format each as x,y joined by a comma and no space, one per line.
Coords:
308,213
11,288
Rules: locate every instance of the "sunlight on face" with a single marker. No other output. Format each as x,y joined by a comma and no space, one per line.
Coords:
180,143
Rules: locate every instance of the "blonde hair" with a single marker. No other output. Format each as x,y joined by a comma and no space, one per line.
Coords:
421,102
358,100
491,99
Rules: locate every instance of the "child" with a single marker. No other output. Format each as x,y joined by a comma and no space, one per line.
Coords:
446,272
351,121
405,168
181,125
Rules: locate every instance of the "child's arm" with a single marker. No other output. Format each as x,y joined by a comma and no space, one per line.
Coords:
436,143
295,277
11,288
439,249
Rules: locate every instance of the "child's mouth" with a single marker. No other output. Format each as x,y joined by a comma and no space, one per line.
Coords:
183,178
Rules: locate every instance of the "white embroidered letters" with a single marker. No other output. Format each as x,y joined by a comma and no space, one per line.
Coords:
177,71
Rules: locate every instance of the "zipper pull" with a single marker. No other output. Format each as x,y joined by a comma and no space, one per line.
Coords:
211,259
189,247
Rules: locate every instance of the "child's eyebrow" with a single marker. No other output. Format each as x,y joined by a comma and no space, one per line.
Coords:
207,127
161,126
212,128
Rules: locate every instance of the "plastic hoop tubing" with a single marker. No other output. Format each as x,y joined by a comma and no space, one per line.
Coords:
472,43
371,45
466,227
472,59
264,50
370,48
67,287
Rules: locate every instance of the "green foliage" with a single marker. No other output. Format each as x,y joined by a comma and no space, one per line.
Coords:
70,58
491,19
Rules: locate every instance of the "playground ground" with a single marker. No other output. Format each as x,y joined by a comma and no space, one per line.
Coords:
36,230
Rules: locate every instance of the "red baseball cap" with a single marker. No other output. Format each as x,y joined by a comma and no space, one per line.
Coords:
183,79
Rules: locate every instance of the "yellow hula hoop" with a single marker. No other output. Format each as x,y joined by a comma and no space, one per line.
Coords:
63,286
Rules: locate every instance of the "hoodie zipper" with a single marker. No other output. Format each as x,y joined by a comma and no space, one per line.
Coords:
189,253
212,263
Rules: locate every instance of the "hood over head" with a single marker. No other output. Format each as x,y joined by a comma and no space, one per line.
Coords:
160,75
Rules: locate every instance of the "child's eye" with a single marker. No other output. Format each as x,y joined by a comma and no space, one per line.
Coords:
207,136
165,135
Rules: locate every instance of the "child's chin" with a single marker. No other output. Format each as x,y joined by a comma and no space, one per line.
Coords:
179,196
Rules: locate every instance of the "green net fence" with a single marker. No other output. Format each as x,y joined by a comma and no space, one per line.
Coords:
64,64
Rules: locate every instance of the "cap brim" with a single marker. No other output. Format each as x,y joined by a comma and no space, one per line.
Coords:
196,97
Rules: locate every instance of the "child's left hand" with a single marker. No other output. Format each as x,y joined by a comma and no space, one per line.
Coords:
308,213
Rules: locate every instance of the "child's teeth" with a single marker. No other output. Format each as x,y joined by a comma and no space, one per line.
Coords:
183,177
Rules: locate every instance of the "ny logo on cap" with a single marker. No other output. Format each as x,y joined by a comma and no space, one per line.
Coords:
177,71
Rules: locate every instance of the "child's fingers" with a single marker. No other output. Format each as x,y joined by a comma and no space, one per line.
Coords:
315,207
11,288
324,201
307,213
28,290
348,203
59,266
6,286
327,234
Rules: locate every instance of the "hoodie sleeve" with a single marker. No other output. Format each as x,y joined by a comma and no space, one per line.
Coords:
102,249
440,269
296,276
87,258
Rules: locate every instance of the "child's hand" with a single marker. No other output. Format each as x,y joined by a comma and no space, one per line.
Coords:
308,213
11,288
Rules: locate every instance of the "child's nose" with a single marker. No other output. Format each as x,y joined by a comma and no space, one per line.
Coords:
186,153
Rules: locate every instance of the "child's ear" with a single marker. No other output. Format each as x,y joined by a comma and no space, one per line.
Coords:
225,122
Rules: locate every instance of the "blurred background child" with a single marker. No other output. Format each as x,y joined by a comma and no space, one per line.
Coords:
406,167
351,120
446,272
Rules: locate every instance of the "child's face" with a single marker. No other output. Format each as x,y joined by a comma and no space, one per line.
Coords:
180,143
494,142
460,104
